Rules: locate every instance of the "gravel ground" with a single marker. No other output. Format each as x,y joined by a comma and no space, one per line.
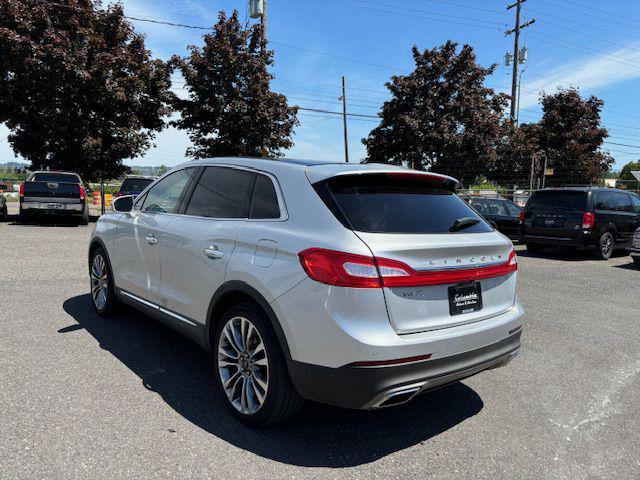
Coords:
87,398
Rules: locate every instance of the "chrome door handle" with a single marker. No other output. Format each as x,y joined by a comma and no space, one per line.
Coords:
151,239
213,252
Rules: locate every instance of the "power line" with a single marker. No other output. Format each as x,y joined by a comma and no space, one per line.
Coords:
319,110
597,10
477,25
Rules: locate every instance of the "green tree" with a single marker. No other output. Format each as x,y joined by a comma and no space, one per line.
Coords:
625,173
516,150
230,109
441,117
571,136
78,89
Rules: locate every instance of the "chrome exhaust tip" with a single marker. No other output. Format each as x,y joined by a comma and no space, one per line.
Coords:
396,397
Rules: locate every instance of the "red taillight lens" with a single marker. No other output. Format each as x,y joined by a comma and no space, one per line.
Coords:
83,194
22,189
360,271
588,220
340,269
521,216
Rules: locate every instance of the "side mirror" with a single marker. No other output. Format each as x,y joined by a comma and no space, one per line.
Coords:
123,204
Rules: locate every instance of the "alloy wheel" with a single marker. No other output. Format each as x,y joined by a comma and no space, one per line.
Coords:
99,281
243,366
606,245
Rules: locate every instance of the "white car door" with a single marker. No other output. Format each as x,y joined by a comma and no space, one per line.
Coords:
137,263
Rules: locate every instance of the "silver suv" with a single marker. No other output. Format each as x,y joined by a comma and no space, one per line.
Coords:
355,285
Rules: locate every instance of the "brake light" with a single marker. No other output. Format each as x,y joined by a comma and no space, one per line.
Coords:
22,190
361,271
82,193
340,269
521,216
588,220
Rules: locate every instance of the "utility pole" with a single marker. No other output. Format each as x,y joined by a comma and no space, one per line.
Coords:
516,54
344,121
263,27
258,9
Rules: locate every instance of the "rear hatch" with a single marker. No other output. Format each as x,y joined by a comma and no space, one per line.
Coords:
555,213
454,274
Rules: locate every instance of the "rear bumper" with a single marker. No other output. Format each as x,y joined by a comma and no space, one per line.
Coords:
583,240
43,208
375,387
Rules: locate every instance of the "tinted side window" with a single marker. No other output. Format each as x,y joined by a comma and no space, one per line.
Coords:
481,206
139,202
623,202
222,193
265,200
636,203
165,195
514,210
604,201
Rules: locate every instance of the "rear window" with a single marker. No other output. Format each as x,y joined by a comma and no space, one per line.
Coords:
563,200
135,184
55,177
392,204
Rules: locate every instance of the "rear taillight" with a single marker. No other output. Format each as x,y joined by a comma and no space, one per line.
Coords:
588,220
521,216
361,271
83,194
340,269
22,190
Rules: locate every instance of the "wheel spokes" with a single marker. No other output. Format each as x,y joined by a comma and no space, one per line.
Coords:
243,365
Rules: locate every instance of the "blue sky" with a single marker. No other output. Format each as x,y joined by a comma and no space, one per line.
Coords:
590,44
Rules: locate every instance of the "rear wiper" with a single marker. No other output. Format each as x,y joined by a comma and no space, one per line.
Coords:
463,223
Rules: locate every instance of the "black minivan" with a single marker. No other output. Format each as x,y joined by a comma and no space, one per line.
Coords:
580,217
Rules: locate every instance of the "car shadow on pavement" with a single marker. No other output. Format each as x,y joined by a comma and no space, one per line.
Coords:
320,436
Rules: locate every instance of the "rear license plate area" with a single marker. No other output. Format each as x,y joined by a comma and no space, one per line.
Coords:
55,206
465,298
549,222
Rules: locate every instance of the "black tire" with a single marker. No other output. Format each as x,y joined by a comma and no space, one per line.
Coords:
281,400
23,217
636,260
85,218
605,246
111,302
534,248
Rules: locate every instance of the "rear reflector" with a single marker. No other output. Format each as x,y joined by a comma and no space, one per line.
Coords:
22,189
515,330
396,361
521,216
361,271
588,220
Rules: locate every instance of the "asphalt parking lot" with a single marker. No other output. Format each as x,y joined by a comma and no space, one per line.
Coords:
82,397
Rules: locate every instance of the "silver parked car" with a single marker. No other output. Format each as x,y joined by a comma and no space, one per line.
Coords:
355,285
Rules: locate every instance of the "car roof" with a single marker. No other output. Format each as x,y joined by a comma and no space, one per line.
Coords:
577,189
316,170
